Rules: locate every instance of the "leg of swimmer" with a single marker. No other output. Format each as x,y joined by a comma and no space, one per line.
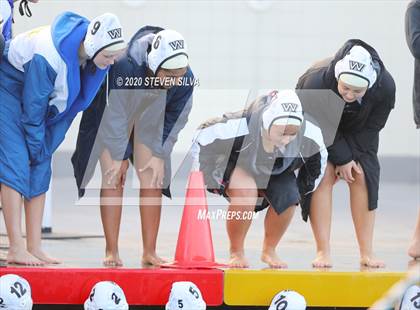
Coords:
111,220
111,208
414,249
275,225
34,210
150,206
150,221
12,212
320,218
243,195
363,220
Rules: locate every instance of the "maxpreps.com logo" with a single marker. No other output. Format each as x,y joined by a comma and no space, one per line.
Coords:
115,33
356,66
177,45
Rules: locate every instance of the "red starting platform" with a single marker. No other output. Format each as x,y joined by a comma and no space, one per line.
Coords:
147,287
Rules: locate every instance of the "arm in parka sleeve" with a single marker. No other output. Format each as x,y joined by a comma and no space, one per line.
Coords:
177,109
339,152
217,141
312,172
412,28
367,138
39,83
176,117
115,126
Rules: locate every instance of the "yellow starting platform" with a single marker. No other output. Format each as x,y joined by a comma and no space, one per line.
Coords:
320,288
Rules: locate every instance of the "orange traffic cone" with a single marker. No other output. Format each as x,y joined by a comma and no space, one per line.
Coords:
194,248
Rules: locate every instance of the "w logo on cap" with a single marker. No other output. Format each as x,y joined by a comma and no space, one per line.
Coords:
289,107
357,66
115,33
176,45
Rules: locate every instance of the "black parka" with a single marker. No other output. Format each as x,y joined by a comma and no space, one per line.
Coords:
412,33
357,138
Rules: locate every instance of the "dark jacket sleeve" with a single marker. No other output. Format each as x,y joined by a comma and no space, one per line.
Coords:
163,138
84,158
218,149
313,169
114,128
306,182
217,162
366,140
412,32
176,116
339,152
309,177
412,28
120,109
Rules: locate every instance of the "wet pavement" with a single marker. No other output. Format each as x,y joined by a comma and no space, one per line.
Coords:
77,231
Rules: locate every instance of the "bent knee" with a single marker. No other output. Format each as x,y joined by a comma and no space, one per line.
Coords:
144,176
242,192
329,178
246,198
359,178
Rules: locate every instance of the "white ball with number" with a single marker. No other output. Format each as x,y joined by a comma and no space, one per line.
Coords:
106,295
15,293
288,300
411,299
185,295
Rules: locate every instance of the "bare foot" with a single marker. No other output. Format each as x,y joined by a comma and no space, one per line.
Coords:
322,260
149,260
414,249
371,262
112,260
272,260
44,257
238,260
22,257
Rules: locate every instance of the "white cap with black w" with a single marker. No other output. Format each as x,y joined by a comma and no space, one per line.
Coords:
168,51
104,33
